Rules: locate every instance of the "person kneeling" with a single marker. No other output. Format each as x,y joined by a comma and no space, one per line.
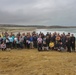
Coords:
3,46
51,45
44,47
39,46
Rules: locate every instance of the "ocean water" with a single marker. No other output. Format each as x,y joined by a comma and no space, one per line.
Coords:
58,30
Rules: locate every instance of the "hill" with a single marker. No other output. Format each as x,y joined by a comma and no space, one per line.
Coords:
37,26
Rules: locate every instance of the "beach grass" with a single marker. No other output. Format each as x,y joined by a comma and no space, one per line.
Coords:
32,62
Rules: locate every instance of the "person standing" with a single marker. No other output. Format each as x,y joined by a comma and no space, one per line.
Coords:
28,41
31,41
35,40
68,42
73,42
47,40
39,41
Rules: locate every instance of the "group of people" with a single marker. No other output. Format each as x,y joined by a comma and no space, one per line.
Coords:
50,41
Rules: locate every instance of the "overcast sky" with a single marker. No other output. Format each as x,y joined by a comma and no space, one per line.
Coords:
38,12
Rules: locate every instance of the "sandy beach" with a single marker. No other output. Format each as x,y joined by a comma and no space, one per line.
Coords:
32,62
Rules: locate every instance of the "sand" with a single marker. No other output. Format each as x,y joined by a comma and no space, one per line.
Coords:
32,62
15,30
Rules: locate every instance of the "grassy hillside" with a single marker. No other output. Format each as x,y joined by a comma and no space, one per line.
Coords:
32,62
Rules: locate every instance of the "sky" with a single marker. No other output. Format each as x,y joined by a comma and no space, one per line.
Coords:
38,12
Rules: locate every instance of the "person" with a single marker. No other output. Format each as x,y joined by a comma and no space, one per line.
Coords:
47,40
28,41
51,45
60,46
21,42
3,46
13,37
15,42
73,42
31,42
7,43
35,40
44,45
39,41
11,41
18,42
24,40
68,43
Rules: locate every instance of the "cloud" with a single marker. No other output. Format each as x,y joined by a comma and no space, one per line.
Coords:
38,12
